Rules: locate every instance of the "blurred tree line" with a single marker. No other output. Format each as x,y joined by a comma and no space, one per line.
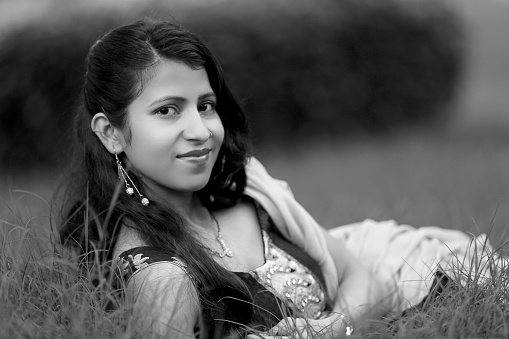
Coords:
301,69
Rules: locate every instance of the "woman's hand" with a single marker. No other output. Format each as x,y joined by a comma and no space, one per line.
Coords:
331,327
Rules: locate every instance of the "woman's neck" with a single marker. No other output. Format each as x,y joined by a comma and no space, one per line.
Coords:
189,206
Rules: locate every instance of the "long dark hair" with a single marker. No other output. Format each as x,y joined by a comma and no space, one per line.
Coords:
117,67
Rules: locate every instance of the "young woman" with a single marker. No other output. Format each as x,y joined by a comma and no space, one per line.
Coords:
208,243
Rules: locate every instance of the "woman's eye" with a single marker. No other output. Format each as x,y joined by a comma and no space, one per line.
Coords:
166,111
206,106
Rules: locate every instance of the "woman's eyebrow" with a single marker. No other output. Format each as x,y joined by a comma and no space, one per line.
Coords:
167,98
208,95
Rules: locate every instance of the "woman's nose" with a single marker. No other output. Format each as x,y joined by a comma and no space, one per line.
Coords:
195,129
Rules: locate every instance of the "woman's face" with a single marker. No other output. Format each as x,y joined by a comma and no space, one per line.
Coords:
170,124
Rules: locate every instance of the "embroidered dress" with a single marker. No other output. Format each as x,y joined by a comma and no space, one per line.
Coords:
289,283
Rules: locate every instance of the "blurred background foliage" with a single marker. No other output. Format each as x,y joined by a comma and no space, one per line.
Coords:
307,68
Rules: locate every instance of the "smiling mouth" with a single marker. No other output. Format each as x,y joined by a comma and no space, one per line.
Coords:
199,153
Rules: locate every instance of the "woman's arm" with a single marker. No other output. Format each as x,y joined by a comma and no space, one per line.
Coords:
361,295
165,301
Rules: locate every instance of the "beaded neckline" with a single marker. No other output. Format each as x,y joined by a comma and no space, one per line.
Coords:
290,281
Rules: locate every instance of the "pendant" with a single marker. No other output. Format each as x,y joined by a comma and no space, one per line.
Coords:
226,251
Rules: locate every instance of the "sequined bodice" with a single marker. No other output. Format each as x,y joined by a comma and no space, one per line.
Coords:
290,281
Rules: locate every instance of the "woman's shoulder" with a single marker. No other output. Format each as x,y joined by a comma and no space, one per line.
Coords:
135,258
127,239
163,291
142,260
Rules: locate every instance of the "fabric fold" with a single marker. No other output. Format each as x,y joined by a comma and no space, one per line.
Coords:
292,220
405,258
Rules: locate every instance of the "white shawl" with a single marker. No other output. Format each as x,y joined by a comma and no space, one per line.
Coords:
403,257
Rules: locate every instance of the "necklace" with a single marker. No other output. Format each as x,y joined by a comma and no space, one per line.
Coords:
225,250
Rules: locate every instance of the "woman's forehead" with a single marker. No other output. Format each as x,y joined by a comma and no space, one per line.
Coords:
172,78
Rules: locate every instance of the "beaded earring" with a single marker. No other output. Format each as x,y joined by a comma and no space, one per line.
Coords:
122,175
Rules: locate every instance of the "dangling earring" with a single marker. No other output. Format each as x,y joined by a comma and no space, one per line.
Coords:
122,175
210,134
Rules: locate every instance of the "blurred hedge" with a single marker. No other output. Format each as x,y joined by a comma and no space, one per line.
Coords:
301,68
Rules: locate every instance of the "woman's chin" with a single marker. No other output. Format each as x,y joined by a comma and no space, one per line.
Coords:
194,186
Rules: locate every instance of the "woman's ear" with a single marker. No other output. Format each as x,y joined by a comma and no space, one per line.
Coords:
110,136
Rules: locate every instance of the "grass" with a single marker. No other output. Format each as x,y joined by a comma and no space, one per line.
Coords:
420,180
43,293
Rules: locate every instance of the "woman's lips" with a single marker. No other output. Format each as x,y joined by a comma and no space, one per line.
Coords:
200,156
195,153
